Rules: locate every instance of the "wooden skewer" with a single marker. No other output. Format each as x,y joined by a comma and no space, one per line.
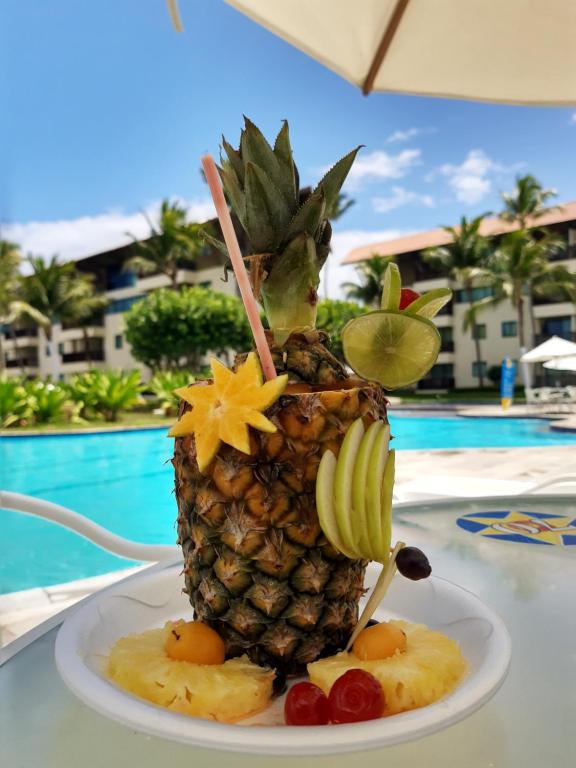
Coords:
380,589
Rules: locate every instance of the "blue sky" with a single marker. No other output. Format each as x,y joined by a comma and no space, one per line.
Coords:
107,110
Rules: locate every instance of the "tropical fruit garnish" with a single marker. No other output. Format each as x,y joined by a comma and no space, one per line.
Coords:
396,345
391,288
195,642
354,493
391,347
306,704
225,692
429,304
430,668
223,411
379,642
355,697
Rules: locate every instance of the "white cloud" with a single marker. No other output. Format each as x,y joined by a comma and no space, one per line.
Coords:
573,118
334,272
381,165
408,134
74,239
471,179
400,197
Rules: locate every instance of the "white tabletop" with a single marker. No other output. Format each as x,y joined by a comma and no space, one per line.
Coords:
530,723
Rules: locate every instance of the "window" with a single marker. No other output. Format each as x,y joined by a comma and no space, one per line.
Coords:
61,348
478,370
48,350
479,331
509,328
122,305
118,341
206,284
446,338
442,371
558,326
481,292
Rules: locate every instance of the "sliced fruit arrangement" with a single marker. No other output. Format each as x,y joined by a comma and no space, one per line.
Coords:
397,344
181,667
354,697
413,665
354,493
222,411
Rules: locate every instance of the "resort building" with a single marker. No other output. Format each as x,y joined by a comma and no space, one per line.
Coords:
102,342
497,327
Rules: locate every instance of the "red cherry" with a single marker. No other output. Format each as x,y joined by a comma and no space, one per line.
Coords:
356,696
306,704
407,296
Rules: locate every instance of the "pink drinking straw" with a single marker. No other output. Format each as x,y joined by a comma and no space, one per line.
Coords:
239,267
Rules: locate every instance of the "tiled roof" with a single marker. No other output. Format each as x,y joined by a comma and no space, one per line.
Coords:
436,237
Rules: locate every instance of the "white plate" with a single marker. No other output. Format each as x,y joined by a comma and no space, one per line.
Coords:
149,599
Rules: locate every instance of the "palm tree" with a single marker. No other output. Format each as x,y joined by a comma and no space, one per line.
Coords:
58,293
371,274
466,262
521,269
11,308
528,200
83,308
175,241
339,207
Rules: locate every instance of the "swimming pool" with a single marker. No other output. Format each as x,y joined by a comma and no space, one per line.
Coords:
124,482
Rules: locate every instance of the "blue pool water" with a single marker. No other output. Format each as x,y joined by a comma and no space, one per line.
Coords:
124,482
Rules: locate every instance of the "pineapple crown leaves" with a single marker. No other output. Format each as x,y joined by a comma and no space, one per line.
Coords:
262,186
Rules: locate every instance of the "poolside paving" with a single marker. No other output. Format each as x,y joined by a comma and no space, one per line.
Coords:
20,611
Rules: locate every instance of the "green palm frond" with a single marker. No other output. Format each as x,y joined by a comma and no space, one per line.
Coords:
528,199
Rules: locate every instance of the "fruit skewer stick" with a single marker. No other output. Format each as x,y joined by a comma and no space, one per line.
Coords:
380,589
239,268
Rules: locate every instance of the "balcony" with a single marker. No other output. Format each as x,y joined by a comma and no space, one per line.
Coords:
23,362
95,356
20,333
540,338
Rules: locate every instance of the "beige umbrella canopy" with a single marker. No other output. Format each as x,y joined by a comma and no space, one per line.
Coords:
512,51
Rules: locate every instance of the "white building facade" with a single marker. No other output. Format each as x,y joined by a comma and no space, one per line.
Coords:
102,344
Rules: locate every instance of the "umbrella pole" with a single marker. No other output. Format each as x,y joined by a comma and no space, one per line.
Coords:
526,371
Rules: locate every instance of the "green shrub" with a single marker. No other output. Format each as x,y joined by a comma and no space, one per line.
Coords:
15,406
50,402
169,329
106,393
333,316
163,385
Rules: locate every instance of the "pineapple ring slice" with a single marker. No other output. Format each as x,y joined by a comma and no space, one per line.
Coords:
429,669
226,692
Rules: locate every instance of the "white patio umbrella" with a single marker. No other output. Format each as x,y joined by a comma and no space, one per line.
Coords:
562,364
512,51
551,349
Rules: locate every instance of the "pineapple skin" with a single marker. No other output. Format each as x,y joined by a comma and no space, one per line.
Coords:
257,566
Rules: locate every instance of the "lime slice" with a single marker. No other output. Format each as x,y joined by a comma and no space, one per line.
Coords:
391,287
430,303
392,348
